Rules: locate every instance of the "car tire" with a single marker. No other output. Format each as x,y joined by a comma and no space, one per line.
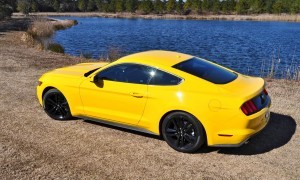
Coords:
183,132
56,105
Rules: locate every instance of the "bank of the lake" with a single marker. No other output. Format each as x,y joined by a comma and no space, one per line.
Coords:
259,17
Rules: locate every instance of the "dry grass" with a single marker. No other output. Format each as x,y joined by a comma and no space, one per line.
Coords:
40,31
32,146
45,28
261,17
41,28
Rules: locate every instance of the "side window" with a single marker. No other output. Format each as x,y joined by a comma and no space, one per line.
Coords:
162,78
129,73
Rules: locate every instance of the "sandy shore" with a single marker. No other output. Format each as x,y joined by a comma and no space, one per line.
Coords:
261,17
33,146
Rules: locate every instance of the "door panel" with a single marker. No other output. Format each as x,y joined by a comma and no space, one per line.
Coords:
114,101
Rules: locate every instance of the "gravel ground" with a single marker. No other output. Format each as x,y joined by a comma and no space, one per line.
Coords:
33,146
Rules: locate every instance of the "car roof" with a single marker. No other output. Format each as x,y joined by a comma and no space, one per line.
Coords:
156,58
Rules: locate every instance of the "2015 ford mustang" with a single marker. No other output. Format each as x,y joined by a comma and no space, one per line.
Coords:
187,100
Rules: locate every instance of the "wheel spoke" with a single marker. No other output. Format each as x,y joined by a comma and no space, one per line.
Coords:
50,101
177,142
64,103
55,110
191,139
175,124
61,110
179,122
56,98
171,132
52,109
181,141
188,127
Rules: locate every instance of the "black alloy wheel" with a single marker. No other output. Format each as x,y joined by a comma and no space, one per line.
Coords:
56,105
183,132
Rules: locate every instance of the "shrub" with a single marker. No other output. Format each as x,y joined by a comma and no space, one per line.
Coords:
41,28
64,24
55,47
24,6
113,54
5,11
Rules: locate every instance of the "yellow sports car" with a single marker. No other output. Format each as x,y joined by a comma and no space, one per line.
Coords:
187,100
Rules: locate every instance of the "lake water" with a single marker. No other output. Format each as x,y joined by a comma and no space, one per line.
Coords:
245,46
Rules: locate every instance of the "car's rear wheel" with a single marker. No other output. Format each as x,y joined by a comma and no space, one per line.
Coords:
56,105
183,132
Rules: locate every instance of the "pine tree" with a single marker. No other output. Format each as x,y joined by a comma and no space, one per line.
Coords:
91,5
225,7
278,7
130,5
112,6
216,6
56,5
205,5
120,6
257,6
158,6
146,6
99,5
82,5
179,6
295,7
6,8
187,5
197,6
242,7
24,6
34,6
171,4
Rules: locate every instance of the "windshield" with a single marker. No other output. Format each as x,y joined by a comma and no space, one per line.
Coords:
206,70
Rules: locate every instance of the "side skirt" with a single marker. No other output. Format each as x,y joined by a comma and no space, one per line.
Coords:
118,125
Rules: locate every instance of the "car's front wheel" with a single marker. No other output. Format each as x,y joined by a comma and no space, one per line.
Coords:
183,132
56,105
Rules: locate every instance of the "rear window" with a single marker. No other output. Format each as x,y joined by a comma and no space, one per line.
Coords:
206,70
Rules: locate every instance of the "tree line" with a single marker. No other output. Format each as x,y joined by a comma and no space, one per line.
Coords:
154,6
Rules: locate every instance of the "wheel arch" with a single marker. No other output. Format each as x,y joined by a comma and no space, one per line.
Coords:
169,112
46,90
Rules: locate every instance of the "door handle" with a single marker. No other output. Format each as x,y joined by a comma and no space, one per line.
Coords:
137,95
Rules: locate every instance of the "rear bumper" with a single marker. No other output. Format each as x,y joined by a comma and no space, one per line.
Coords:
237,137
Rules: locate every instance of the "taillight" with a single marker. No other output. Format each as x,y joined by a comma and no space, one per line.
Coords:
249,108
266,92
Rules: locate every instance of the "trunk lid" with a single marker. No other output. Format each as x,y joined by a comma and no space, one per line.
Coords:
244,87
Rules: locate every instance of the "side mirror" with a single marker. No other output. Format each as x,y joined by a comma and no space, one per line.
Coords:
98,81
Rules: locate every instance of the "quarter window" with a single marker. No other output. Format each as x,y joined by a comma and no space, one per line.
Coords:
162,78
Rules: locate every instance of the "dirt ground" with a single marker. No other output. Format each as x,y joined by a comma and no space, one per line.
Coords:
33,146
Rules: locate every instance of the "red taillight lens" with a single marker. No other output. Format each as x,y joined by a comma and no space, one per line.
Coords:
266,92
249,108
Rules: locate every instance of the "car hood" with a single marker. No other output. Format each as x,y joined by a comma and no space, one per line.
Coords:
245,87
78,69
